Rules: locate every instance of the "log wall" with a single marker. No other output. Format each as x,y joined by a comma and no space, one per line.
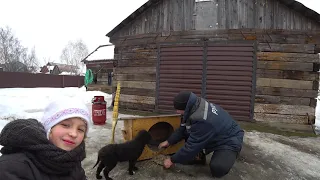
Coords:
286,74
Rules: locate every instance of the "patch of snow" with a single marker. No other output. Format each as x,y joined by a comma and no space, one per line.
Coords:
305,163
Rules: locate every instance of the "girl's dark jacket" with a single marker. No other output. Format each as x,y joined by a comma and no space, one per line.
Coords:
27,154
208,127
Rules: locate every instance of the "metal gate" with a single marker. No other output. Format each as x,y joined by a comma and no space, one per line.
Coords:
229,78
223,73
179,68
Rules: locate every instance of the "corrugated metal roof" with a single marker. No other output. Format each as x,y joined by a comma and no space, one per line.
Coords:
292,4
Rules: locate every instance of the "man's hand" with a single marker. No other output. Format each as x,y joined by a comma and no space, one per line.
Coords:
167,163
164,144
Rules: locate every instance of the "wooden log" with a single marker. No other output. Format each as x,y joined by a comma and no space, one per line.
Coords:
136,84
135,70
281,39
137,36
313,102
288,57
289,38
136,106
137,62
131,42
102,79
290,48
136,77
277,65
294,119
268,32
100,87
286,74
202,36
284,109
136,48
144,55
137,99
199,32
268,99
287,92
138,91
284,83
317,48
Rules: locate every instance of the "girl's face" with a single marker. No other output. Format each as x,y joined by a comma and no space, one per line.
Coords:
68,134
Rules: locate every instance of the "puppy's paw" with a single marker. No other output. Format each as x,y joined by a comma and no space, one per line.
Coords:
135,168
132,172
98,176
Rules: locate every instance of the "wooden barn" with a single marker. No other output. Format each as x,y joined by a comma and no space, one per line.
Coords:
256,58
102,70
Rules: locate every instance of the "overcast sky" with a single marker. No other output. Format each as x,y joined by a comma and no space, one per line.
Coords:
49,25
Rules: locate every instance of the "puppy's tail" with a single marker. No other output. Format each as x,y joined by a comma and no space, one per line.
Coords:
98,160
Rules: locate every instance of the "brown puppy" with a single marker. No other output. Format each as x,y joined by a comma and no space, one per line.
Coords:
130,151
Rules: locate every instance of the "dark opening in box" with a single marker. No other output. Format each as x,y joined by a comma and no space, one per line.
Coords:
160,132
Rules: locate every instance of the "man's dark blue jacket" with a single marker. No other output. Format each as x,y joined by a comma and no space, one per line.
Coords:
208,127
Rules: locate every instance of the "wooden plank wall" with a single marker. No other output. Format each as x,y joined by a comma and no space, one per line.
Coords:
184,15
286,84
136,70
166,15
262,14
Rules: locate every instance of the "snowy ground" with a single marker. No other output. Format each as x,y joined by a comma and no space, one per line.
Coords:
264,156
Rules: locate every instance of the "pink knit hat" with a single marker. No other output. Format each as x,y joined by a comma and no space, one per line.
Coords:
62,109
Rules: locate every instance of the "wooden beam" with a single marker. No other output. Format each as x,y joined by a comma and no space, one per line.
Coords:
135,70
136,84
284,83
152,54
284,109
136,106
281,118
286,92
287,74
136,77
134,42
277,65
282,39
138,91
137,99
137,62
293,57
268,99
317,48
289,48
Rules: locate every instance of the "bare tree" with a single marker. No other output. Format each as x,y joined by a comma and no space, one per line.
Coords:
46,60
30,60
73,53
13,56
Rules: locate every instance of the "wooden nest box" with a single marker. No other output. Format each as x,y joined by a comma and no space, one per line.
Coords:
160,128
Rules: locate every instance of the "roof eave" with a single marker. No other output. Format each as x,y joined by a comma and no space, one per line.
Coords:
132,16
293,4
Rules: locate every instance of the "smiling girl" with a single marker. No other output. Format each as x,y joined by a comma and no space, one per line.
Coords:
52,149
